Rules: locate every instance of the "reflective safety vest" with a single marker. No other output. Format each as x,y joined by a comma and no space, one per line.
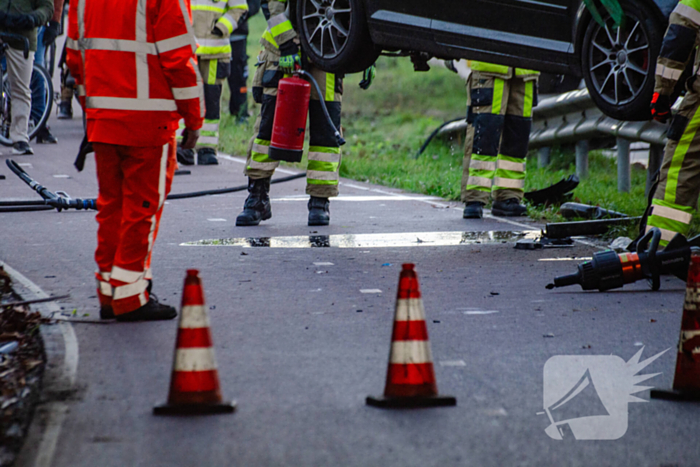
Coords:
503,71
134,64
223,15
279,28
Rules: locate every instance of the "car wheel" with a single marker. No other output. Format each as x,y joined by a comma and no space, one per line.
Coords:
619,63
334,34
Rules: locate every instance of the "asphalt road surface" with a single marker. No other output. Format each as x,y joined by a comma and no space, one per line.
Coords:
302,333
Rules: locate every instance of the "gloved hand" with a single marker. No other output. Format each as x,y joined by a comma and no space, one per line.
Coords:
189,138
660,107
51,32
368,77
20,22
290,57
217,32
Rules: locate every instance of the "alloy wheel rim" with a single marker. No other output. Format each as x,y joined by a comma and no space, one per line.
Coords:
326,24
619,60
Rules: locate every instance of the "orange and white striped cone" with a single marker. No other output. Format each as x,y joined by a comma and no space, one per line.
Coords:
686,382
194,386
410,379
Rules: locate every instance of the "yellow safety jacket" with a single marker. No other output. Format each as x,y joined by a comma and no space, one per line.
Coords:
223,15
502,71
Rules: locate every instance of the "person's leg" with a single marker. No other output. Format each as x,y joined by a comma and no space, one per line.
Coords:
213,72
109,216
37,84
19,72
676,195
509,183
486,101
237,80
146,179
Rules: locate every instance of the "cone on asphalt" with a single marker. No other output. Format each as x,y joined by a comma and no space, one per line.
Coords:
686,382
194,386
410,379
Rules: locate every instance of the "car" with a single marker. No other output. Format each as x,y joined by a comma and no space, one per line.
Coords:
554,36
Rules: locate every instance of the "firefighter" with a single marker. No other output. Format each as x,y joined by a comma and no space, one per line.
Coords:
676,194
238,79
279,56
214,21
134,65
499,116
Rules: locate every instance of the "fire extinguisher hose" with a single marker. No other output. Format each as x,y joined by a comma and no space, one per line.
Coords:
311,79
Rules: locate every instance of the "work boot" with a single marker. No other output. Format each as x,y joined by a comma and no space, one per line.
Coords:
185,156
151,311
319,211
65,110
44,136
257,206
508,208
473,210
207,156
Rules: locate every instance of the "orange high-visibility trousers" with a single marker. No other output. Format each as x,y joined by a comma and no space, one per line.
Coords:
133,184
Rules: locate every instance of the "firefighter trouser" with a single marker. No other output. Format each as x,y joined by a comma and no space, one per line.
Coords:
238,79
133,184
676,195
213,73
324,152
498,131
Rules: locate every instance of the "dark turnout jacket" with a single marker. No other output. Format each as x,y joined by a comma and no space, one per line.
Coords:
42,10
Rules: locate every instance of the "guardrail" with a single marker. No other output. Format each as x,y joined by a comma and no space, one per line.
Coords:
572,117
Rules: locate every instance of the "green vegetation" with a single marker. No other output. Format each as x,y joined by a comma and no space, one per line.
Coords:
386,125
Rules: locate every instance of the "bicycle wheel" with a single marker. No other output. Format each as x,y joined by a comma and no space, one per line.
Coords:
42,77
5,116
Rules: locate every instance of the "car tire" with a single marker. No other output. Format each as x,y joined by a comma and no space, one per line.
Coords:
621,82
342,25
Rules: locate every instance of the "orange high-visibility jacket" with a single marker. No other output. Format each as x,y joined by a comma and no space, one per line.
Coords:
134,63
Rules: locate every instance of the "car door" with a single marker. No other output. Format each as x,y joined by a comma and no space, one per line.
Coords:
535,34
403,24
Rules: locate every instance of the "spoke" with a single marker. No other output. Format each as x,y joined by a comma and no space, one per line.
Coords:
631,34
601,48
339,28
313,15
606,62
602,87
615,83
335,46
607,31
629,83
635,68
346,10
617,37
316,4
323,30
311,37
644,47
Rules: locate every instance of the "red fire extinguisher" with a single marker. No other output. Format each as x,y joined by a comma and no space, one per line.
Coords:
289,124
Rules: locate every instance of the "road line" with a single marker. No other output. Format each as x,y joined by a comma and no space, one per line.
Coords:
63,379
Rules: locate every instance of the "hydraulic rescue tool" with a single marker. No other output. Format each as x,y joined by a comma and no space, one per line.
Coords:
291,109
608,270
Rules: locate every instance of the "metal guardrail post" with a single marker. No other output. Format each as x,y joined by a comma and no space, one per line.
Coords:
543,157
582,159
623,165
656,156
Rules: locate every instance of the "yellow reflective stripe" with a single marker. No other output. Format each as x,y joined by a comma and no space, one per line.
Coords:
476,65
529,94
226,22
330,87
208,8
679,156
213,65
281,28
498,85
267,35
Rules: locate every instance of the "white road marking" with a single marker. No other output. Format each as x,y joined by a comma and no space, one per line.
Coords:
480,312
43,449
582,258
61,176
370,291
357,198
241,160
25,164
323,263
216,219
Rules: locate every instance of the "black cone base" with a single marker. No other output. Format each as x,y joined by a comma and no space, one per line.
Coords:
195,409
673,395
407,402
281,154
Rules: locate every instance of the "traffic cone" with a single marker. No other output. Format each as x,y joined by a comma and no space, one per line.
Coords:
410,379
194,386
686,382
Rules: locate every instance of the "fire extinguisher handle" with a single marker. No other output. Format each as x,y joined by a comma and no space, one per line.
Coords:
338,137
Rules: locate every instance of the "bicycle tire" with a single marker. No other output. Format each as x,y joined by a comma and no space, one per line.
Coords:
6,114
49,100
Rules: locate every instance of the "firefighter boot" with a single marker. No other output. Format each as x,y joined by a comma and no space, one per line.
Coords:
151,311
508,208
185,156
257,206
473,210
207,156
319,211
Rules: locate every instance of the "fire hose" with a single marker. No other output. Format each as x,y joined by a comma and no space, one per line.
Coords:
61,200
608,270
